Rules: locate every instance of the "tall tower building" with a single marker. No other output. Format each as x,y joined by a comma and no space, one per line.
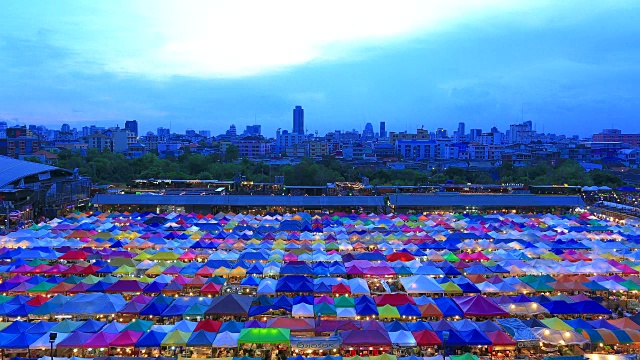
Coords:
461,131
132,126
383,129
298,120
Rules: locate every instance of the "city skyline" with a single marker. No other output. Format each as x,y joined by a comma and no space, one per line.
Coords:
416,64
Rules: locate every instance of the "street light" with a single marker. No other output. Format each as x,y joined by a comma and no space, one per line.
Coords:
445,337
52,338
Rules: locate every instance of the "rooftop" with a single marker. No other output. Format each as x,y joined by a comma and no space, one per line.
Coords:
12,169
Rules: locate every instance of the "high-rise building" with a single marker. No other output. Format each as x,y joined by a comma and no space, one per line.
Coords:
616,135
132,126
3,130
205,133
367,133
383,129
253,130
232,130
298,120
473,134
461,131
164,132
441,133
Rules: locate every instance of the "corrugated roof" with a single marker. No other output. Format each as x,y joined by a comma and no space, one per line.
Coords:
12,169
238,200
485,200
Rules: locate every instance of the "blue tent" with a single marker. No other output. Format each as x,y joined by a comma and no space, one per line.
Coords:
579,324
91,326
590,307
448,307
41,327
474,337
150,339
157,306
294,283
419,326
409,310
22,341
560,307
201,338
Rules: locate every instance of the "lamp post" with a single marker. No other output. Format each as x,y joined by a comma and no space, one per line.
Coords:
52,338
445,337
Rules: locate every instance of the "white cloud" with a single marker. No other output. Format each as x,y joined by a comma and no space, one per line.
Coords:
240,38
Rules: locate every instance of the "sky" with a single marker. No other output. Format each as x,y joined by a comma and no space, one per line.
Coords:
571,67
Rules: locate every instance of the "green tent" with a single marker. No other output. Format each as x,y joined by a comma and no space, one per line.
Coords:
139,325
42,287
324,309
264,336
451,288
388,312
344,302
176,338
195,310
632,286
466,356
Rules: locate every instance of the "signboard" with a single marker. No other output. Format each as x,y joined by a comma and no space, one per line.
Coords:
15,215
314,343
528,344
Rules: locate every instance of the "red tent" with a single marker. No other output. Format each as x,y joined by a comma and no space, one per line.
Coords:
427,338
394,300
208,325
499,338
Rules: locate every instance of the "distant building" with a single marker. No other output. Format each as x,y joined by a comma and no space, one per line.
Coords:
64,128
19,141
232,130
615,135
367,133
421,134
383,129
298,120
521,133
132,126
286,139
99,142
205,133
252,148
164,133
253,130
474,134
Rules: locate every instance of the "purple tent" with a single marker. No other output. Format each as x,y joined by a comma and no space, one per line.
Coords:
479,306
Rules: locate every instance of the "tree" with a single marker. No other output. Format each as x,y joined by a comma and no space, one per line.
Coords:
34,159
232,154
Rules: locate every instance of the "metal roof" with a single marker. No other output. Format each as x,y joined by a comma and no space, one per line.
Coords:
238,200
12,169
485,200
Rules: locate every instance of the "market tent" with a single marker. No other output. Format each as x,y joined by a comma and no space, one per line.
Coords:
264,336
226,339
479,306
231,305
358,338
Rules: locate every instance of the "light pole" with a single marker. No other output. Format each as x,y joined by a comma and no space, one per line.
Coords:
52,338
445,337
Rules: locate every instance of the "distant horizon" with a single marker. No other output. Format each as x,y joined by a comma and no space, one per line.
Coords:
569,68
142,130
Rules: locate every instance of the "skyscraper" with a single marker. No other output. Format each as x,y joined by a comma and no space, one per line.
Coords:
298,120
383,129
461,131
132,126
367,134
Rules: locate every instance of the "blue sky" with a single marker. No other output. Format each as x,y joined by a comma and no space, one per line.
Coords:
569,66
